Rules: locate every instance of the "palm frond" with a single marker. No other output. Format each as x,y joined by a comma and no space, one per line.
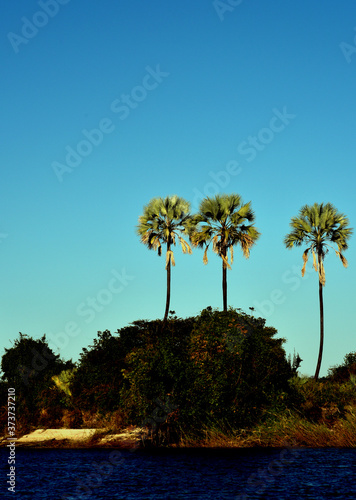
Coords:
216,247
321,272
342,258
246,243
305,259
315,264
205,256
170,258
185,246
231,254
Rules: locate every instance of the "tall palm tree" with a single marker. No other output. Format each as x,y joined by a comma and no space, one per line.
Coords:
224,221
315,226
164,220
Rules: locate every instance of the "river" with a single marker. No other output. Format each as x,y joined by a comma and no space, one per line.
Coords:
239,474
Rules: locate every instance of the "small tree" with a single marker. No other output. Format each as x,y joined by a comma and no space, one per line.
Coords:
29,366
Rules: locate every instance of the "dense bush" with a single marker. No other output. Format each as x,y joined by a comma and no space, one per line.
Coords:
96,381
216,371
323,400
99,375
28,367
238,367
346,371
156,370
217,367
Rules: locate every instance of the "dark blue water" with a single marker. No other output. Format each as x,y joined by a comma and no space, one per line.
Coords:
283,474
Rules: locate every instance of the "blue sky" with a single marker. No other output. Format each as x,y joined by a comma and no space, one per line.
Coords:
106,105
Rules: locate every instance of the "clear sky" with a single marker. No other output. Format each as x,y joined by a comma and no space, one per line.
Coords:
105,105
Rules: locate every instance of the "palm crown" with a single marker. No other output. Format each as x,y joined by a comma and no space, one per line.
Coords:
315,226
222,221
164,220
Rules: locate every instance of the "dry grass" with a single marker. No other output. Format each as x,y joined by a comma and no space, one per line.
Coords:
212,438
301,432
112,421
279,432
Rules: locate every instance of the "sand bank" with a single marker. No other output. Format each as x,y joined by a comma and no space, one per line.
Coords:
73,438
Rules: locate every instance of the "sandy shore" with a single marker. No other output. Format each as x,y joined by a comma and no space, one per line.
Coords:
75,438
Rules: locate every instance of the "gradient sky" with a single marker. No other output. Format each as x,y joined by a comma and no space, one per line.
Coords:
187,98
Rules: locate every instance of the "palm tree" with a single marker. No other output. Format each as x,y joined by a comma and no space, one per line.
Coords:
224,221
315,226
164,220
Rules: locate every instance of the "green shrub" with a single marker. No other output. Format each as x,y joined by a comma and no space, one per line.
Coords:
323,400
346,371
222,368
28,367
97,379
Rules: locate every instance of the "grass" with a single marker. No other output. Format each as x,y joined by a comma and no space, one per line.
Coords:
302,432
290,430
279,431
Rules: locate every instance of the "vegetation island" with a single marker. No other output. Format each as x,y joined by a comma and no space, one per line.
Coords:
218,379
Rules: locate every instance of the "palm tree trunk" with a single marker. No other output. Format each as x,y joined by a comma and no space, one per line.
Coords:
224,281
321,331
168,297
